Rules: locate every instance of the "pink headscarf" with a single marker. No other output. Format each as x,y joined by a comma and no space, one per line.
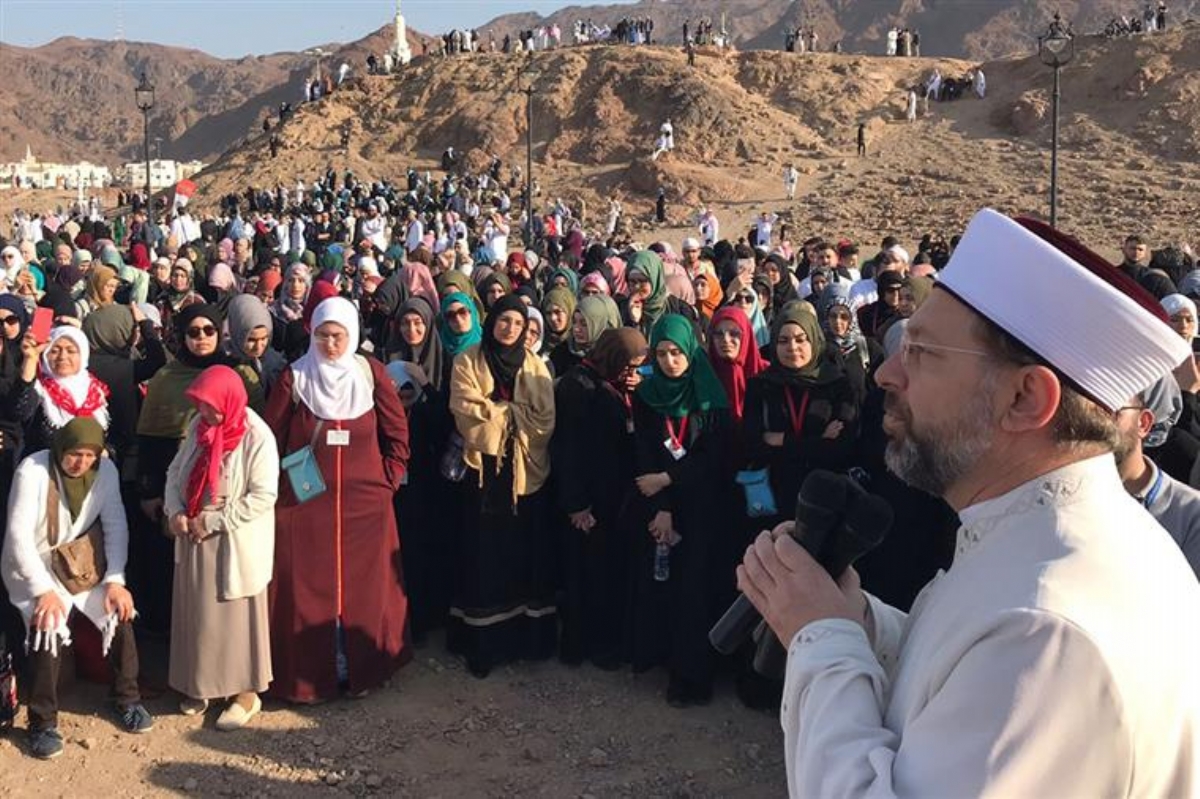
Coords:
595,279
220,277
678,282
617,265
417,279
225,250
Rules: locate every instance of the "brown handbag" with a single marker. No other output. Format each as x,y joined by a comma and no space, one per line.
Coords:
81,564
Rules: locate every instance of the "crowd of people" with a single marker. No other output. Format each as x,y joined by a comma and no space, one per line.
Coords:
1153,19
301,434
903,42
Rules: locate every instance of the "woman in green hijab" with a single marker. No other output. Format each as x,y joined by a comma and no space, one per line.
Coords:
61,495
802,412
455,281
584,324
647,281
558,309
682,430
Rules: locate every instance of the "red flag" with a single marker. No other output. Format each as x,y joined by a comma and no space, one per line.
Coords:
184,190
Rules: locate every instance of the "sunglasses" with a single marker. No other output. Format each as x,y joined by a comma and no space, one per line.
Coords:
457,313
744,299
204,331
11,321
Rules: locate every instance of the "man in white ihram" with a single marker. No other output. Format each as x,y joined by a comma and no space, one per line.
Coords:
1058,655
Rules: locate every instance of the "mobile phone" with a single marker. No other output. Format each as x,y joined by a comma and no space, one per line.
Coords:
43,321
646,370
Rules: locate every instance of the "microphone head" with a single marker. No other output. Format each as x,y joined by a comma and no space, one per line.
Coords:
869,519
824,488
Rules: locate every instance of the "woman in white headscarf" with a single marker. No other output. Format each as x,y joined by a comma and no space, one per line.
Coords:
61,390
338,612
1182,312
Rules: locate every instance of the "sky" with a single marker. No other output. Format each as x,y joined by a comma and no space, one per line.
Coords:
235,28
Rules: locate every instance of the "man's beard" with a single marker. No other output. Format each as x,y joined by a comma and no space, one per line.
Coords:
933,460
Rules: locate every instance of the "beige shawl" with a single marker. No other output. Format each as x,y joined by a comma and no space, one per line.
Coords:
486,424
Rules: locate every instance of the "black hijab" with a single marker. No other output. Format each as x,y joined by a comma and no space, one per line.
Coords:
11,357
504,362
185,318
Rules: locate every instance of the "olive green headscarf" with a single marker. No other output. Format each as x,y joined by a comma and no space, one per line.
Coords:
599,313
649,264
820,367
698,389
81,432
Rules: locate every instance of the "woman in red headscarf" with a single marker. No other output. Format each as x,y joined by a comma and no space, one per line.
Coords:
734,355
220,504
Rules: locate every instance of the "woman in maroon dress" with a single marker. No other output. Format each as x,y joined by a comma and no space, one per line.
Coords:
338,612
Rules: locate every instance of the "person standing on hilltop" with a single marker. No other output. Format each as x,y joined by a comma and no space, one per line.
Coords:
660,207
862,139
910,112
979,83
790,178
710,228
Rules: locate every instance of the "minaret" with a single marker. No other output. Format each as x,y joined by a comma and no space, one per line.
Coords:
402,51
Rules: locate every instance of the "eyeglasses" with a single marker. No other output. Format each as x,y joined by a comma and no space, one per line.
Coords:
458,312
11,321
330,338
743,299
911,352
204,331
733,334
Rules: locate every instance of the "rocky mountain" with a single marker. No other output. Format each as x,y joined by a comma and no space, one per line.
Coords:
1130,143
972,29
73,98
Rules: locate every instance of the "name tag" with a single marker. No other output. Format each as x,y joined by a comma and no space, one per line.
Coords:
337,438
677,450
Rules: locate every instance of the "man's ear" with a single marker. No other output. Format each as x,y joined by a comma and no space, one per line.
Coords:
1031,400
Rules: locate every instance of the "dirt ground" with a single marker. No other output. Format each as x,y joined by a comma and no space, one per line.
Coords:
530,729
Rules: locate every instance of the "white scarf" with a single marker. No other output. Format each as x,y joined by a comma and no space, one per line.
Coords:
75,385
334,390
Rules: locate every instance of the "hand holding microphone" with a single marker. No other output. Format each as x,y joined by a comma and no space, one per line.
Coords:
790,578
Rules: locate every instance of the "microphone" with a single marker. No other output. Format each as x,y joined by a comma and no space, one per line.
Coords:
819,507
866,523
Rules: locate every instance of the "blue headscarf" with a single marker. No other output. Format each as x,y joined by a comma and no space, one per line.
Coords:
454,343
758,322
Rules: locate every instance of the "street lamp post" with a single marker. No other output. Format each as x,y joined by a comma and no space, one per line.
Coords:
1056,49
530,76
144,95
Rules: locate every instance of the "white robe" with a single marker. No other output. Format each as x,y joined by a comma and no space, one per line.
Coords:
1056,658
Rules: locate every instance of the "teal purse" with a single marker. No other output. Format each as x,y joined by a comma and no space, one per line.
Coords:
760,500
303,471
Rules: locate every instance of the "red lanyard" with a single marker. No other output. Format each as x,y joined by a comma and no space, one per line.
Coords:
677,440
797,418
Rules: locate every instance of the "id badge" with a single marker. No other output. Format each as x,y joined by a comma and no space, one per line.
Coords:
628,425
677,450
337,438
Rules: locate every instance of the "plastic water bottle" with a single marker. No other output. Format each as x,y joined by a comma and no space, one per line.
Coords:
662,562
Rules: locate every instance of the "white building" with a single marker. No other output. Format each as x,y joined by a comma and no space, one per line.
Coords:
164,173
31,173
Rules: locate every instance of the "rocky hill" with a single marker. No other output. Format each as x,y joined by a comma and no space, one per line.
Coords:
1130,143
73,98
974,29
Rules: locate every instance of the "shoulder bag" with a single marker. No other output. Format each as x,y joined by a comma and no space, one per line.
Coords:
81,564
